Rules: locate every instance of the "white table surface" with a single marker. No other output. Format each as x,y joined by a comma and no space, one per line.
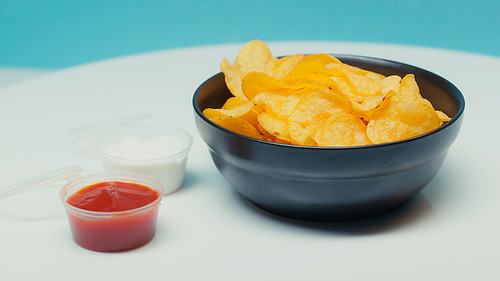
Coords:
206,231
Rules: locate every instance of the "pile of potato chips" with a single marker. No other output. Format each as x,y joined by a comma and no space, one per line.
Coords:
317,100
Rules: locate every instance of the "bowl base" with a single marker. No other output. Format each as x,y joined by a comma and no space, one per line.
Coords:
332,216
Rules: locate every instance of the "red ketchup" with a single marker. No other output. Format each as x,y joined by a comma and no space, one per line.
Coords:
113,215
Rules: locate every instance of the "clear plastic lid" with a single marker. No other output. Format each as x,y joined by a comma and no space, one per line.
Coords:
67,173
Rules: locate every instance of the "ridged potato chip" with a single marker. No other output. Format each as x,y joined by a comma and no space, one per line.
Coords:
276,127
277,104
243,111
442,116
400,117
322,58
285,64
340,130
258,82
233,102
318,101
304,68
233,79
254,56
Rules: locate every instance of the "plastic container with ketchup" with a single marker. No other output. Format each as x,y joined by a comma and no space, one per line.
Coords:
109,231
127,206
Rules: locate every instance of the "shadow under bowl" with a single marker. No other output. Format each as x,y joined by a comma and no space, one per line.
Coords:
332,183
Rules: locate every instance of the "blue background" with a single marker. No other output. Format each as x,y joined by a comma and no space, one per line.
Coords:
58,34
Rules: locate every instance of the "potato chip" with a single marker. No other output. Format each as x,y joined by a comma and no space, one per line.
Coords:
302,69
400,117
254,56
317,100
243,111
390,83
340,130
279,105
322,58
233,102
346,89
366,107
319,77
309,65
342,67
285,64
363,85
233,79
309,141
316,80
309,84
277,140
237,125
278,128
409,86
442,116
258,82
300,135
265,134
236,111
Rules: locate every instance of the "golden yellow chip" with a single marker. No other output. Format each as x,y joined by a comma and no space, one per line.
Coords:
346,89
258,82
342,67
285,64
277,140
300,135
302,69
364,85
233,79
409,87
279,105
322,58
442,116
254,56
400,117
309,84
233,102
340,130
390,83
265,134
278,128
319,77
237,125
367,106
243,111
236,111
318,101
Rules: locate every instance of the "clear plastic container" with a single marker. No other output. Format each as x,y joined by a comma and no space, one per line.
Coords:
112,231
168,169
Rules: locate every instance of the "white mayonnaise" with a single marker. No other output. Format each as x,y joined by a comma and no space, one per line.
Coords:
138,149
155,147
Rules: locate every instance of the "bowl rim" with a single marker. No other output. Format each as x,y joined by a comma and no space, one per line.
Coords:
460,98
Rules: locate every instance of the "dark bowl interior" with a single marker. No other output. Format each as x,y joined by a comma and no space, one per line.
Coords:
332,183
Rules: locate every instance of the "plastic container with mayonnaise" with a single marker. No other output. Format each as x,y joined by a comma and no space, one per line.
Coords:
154,150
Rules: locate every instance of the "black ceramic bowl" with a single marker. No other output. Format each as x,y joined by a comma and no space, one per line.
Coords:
332,183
